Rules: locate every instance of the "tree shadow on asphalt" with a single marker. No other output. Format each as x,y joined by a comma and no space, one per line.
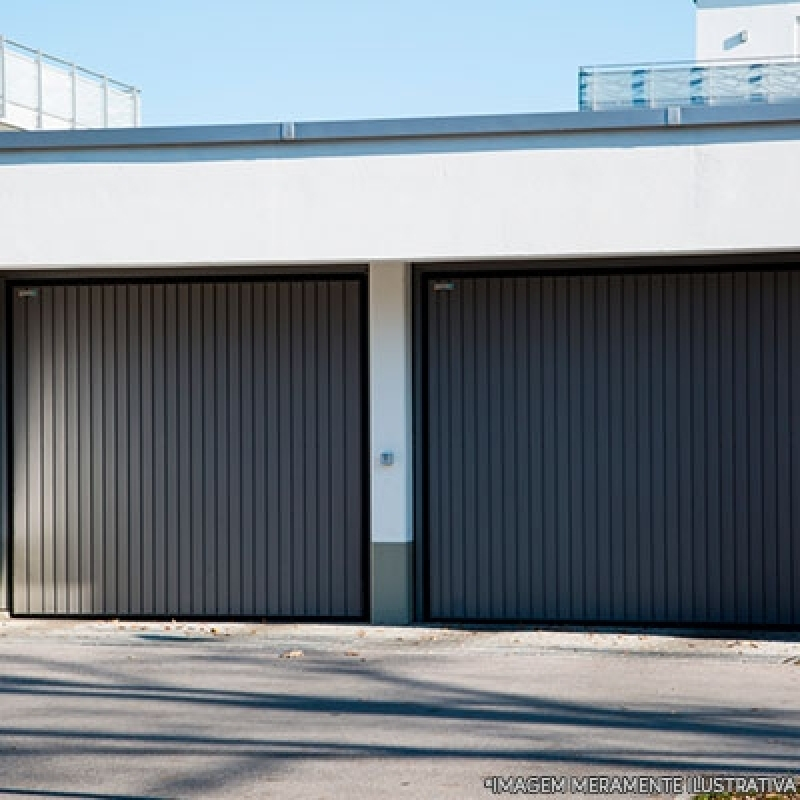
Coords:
422,700
527,728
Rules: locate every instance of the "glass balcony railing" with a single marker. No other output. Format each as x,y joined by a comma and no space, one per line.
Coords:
39,91
685,84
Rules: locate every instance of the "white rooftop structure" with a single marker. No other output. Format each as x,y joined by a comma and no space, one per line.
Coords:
39,91
747,29
746,51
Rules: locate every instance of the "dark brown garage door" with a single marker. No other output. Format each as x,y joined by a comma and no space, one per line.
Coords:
189,449
613,448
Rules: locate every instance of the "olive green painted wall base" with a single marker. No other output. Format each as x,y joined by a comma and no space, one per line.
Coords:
392,583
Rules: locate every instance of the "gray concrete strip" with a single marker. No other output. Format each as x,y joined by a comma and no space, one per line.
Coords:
152,710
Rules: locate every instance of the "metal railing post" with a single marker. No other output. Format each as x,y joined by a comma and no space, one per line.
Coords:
73,74
587,84
39,89
136,109
2,78
712,85
769,74
105,101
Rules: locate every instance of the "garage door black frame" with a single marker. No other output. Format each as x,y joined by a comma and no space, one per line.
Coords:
19,279
426,273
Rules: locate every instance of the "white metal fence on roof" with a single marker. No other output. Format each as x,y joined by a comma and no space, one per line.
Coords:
681,84
39,91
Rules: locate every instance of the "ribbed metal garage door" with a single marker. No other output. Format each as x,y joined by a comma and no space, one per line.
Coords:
189,449
613,447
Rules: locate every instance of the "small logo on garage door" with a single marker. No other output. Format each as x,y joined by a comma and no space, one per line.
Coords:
23,293
443,286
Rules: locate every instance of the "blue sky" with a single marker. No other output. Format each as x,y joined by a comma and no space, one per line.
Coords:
220,61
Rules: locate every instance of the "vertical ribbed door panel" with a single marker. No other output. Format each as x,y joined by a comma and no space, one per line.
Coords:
189,449
614,448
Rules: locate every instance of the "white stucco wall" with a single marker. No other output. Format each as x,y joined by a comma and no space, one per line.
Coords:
391,499
772,29
669,191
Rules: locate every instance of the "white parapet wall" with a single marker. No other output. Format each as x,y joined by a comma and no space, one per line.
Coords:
570,193
747,29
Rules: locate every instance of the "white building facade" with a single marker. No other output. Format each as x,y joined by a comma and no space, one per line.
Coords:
536,368
392,202
748,30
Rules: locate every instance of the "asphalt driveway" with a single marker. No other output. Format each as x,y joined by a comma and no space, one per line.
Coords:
250,711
